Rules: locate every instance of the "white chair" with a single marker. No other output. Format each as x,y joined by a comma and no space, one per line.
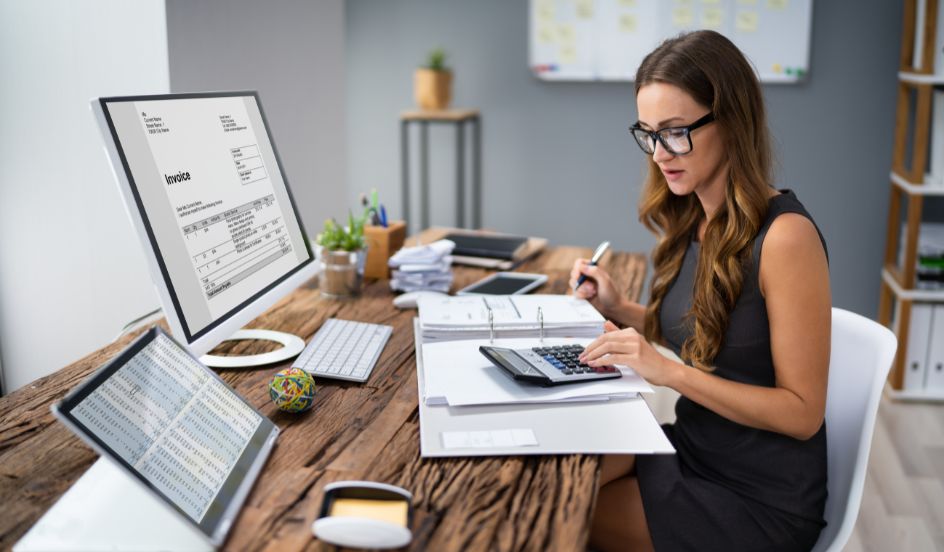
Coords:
862,353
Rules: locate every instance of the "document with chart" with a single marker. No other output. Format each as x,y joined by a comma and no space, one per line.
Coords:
175,425
216,202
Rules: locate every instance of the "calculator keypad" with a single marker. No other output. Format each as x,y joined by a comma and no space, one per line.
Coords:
565,359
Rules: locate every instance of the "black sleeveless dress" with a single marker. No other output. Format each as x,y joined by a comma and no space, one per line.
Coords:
732,487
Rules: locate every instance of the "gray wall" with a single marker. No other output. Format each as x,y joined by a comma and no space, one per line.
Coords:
292,52
557,160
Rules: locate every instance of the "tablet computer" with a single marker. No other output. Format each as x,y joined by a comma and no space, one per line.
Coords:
175,427
505,283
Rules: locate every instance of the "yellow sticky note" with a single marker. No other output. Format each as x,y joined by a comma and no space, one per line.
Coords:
777,68
712,18
585,9
711,2
568,54
747,2
746,21
566,33
392,511
546,13
683,2
627,23
682,17
546,34
778,5
628,3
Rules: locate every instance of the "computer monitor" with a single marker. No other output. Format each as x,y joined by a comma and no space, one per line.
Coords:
205,190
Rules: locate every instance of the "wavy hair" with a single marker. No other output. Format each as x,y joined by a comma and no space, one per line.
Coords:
711,69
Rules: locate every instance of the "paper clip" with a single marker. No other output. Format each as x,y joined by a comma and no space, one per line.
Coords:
541,324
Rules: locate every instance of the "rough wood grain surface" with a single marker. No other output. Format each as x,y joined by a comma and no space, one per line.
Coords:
354,431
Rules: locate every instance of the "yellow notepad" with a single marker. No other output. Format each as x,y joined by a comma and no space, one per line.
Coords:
393,511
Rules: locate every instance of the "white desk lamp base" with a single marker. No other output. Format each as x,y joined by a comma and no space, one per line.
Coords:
292,345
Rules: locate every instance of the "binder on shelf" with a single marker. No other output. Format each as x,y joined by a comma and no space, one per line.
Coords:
935,172
934,381
916,354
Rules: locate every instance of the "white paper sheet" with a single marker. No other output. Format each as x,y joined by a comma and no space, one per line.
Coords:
457,374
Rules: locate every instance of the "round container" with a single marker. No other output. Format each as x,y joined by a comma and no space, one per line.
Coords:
342,272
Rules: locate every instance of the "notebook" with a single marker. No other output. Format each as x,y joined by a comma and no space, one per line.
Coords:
497,246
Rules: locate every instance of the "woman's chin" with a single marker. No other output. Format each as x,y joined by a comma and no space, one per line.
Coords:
679,188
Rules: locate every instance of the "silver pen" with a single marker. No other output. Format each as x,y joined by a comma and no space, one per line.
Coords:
597,255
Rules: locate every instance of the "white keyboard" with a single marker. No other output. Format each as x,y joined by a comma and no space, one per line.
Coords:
344,349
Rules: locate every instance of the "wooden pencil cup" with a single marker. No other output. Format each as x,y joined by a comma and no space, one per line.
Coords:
382,242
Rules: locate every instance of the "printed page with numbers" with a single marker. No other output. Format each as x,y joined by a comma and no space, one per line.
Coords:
175,424
215,198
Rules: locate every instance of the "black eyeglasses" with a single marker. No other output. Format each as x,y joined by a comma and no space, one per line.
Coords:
675,140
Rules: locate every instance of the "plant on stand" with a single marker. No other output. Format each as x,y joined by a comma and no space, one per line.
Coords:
432,83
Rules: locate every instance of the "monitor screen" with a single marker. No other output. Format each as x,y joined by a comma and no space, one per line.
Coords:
209,190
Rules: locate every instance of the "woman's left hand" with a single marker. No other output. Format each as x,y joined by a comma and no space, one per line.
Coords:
628,347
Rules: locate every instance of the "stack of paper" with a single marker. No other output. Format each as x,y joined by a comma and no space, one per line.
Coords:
424,267
512,316
457,374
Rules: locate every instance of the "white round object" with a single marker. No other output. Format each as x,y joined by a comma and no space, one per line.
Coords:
358,532
292,345
410,299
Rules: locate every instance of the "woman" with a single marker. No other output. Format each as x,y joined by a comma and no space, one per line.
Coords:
741,292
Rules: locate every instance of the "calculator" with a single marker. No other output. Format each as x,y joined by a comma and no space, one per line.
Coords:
553,365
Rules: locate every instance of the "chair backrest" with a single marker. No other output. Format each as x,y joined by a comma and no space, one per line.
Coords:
861,356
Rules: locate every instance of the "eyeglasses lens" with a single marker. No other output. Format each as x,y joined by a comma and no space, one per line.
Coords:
676,140
644,139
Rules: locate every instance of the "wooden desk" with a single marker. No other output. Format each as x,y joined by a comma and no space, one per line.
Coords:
354,431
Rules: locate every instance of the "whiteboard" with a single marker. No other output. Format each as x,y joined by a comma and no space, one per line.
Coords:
608,39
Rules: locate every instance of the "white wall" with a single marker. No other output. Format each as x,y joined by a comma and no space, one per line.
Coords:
71,268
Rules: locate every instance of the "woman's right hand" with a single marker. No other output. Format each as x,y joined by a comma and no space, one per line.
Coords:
598,288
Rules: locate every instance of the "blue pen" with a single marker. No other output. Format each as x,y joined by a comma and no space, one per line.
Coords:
383,216
597,255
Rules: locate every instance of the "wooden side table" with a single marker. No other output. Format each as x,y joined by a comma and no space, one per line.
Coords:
460,118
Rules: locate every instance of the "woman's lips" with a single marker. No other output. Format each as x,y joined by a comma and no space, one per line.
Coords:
672,174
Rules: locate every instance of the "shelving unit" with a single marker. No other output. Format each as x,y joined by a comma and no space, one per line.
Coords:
908,190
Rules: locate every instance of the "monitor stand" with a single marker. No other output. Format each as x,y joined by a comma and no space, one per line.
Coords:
292,345
107,510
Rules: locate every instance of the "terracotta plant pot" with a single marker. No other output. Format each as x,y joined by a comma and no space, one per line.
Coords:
432,89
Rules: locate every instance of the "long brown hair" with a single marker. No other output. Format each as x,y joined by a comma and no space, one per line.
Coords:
716,74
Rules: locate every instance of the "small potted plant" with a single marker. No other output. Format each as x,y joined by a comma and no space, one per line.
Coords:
432,83
343,252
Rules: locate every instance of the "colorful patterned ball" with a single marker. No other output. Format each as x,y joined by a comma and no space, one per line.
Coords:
292,390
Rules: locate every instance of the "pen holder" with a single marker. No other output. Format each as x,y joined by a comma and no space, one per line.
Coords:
382,242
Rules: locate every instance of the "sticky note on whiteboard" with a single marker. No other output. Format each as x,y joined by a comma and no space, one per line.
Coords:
746,21
627,23
712,18
682,17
